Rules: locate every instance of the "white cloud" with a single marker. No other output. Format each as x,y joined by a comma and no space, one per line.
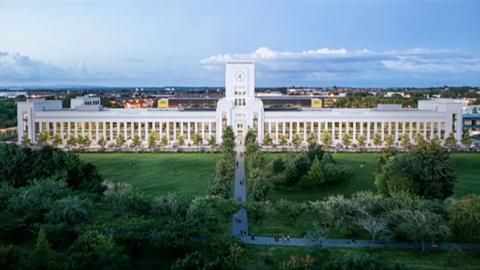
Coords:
17,67
338,63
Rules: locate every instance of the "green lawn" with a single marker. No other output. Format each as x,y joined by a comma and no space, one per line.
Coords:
362,179
157,173
466,165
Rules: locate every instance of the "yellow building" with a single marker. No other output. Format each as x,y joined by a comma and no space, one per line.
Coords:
163,103
317,103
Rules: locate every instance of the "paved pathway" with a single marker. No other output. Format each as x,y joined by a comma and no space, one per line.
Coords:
347,243
240,220
240,223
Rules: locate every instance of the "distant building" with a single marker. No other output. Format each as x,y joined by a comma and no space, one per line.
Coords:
12,94
241,110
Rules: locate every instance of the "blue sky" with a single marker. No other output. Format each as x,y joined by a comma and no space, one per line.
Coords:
317,43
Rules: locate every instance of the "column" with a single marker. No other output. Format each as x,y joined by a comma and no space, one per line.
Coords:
160,131
432,129
368,131
340,131
276,132
174,130
304,130
389,127
333,131
188,130
383,130
396,130
147,134
290,126
209,130
167,130
76,128
410,129
125,130
111,131
69,131
96,130
181,129
118,128
62,133
355,131
425,130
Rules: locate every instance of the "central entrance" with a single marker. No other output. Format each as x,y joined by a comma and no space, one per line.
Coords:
239,132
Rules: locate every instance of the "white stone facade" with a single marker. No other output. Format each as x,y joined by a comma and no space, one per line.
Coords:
241,110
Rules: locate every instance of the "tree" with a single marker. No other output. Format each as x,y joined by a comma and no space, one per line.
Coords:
43,256
25,140
136,141
315,151
326,138
421,225
93,250
212,142
390,140
315,175
267,140
464,216
311,139
425,171
289,211
56,140
180,140
405,141
377,140
419,139
120,140
466,140
278,165
197,140
43,138
335,212
346,140
257,211
84,141
296,141
361,142
258,188
152,140
296,169
374,226
164,141
283,141
451,142
72,142
102,143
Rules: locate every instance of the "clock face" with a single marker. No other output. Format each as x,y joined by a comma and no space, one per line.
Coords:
240,76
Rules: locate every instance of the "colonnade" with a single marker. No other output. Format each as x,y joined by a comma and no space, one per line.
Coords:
367,129
111,130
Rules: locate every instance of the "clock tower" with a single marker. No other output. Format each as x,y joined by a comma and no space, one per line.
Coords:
240,109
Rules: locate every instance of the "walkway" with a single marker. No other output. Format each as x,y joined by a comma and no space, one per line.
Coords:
240,223
240,220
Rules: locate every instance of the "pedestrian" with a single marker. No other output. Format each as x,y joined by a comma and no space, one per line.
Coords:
288,237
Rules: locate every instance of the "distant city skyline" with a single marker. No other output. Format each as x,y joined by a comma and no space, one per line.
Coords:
185,43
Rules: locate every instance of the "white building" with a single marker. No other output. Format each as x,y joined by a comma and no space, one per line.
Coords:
241,110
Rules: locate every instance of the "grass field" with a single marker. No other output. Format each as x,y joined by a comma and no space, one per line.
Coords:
155,174
189,173
466,165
